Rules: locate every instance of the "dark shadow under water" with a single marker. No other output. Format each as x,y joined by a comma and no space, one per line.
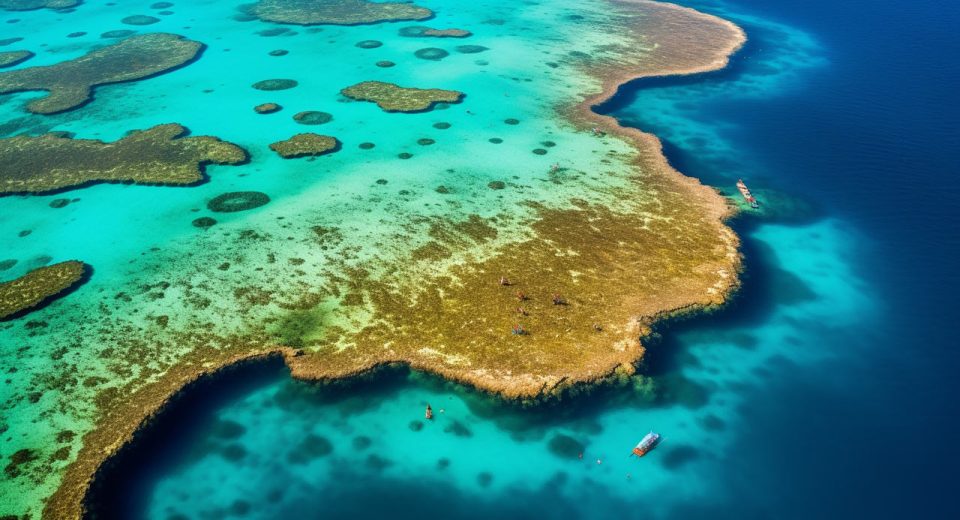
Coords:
123,483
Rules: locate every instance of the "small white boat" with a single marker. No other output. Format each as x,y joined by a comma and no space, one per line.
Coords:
646,444
742,186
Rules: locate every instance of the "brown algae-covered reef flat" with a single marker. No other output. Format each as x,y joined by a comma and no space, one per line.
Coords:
533,285
158,155
11,58
303,145
394,98
38,286
70,84
336,12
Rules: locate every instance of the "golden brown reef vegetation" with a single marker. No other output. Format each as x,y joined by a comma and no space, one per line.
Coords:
70,84
336,12
37,286
306,144
394,98
159,155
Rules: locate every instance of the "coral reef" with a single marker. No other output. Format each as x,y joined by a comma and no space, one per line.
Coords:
204,222
11,58
312,117
394,98
27,5
651,244
234,201
420,31
70,84
302,145
159,155
336,12
267,108
275,84
140,19
38,286
431,53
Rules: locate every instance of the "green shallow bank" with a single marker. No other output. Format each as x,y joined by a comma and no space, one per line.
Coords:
388,248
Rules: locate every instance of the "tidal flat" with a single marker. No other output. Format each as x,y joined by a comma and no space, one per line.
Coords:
497,241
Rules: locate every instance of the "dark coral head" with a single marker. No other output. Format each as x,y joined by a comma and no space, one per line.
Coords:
237,201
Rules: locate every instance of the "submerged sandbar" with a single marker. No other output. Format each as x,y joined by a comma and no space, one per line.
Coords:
159,155
70,84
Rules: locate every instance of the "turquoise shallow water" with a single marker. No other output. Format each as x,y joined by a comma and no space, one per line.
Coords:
792,403
214,97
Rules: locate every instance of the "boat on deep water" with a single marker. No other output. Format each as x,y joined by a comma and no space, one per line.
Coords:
746,194
649,442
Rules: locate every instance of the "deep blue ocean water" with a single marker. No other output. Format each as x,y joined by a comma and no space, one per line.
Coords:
826,390
865,127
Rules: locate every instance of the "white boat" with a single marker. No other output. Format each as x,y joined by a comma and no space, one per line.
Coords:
646,444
